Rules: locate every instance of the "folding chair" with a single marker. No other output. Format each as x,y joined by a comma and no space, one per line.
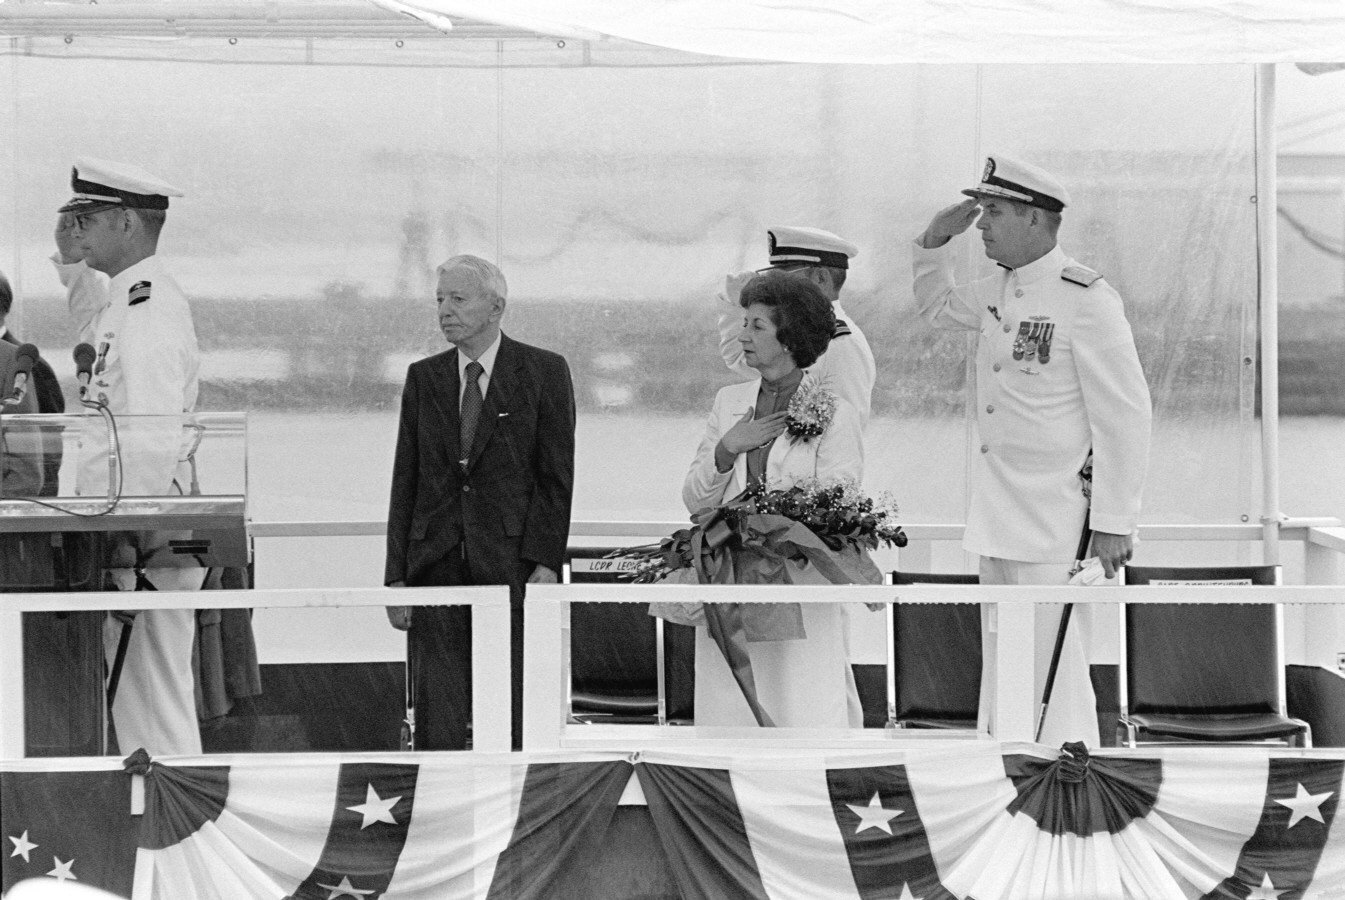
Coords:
624,663
1204,672
933,658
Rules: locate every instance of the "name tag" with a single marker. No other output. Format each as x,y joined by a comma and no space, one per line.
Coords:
600,565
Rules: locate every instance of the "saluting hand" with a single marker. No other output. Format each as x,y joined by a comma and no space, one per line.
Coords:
66,246
734,284
950,221
748,434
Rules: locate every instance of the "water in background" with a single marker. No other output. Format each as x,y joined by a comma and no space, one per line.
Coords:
311,467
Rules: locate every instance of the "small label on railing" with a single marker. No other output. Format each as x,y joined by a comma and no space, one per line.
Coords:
1219,582
600,565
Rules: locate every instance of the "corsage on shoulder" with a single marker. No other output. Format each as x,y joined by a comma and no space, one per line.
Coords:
811,410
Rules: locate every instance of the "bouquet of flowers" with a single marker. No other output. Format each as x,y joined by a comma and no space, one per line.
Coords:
811,410
748,539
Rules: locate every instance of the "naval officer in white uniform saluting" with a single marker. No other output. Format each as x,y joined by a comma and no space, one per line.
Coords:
140,325
1057,377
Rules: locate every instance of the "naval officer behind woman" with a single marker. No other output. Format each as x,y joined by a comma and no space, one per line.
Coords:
141,327
481,490
1057,376
846,368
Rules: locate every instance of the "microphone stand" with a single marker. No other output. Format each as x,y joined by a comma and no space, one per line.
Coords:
113,450
113,489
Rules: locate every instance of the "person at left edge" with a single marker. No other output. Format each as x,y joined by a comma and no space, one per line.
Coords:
48,395
124,302
476,506
20,471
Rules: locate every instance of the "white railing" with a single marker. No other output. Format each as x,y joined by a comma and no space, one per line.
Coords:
546,645
1012,640
490,631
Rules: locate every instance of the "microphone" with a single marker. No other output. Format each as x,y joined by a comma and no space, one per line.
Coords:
84,357
23,372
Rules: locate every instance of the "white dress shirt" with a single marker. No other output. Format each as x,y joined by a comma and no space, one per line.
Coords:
487,361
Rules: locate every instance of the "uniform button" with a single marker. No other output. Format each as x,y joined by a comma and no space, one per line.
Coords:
985,448
990,408
1007,328
466,488
996,367
1018,293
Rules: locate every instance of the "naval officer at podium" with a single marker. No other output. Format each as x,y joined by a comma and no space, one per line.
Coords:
125,304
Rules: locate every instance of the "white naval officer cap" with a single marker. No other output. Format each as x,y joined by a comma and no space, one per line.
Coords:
1012,179
100,184
792,245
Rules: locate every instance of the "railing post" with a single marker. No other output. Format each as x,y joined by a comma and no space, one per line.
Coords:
1013,716
491,692
12,726
544,681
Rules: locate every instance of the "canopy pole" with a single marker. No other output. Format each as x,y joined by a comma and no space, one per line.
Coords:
1267,246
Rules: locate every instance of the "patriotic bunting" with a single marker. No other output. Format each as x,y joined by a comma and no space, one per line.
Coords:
966,821
71,826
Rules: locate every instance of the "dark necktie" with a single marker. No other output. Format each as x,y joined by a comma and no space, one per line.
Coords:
471,409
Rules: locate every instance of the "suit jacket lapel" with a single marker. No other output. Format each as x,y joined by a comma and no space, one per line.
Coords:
503,380
446,401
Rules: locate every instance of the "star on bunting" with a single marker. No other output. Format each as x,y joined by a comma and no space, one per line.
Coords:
23,846
906,892
874,815
375,808
1266,891
62,871
345,889
1305,806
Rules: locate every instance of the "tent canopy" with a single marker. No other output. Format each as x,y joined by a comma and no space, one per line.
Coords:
825,31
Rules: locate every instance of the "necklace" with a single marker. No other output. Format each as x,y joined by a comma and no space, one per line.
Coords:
772,397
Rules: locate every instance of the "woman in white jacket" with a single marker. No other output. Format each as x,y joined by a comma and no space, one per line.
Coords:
801,663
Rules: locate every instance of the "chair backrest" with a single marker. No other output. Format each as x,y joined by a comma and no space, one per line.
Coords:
612,645
1210,658
934,667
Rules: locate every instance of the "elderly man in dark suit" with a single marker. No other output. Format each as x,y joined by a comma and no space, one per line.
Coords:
48,393
481,489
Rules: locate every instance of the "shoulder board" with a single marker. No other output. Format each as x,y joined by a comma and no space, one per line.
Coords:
139,293
1080,275
841,329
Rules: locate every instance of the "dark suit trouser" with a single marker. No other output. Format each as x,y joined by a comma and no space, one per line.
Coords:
441,650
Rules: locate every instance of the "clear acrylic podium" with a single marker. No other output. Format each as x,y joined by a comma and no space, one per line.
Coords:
63,530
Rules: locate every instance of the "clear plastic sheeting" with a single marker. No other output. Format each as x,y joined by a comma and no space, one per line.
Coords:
616,198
